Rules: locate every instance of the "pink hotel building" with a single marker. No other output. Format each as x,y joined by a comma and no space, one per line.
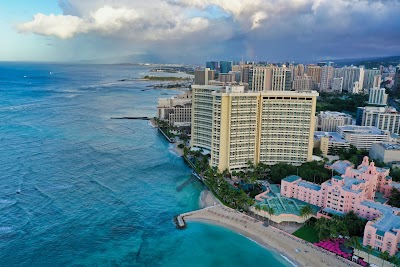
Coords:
358,190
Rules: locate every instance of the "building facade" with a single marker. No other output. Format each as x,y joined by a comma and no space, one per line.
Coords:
327,121
238,126
314,72
212,65
177,111
351,76
383,118
337,85
385,152
225,66
378,96
362,137
326,78
202,106
329,142
203,77
303,83
281,79
260,78
227,77
356,191
371,78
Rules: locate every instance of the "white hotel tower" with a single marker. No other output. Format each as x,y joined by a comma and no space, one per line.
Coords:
238,126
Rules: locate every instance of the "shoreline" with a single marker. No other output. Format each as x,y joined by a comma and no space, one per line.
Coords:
250,237
207,199
296,250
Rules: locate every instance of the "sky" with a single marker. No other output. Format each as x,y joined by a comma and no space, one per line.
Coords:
195,31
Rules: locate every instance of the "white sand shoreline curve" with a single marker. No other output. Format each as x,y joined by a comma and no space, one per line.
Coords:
268,237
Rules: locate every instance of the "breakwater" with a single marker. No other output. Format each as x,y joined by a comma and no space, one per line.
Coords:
131,118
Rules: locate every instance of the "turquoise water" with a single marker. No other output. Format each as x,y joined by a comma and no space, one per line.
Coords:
80,189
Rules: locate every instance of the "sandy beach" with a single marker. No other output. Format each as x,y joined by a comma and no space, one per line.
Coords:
297,250
207,199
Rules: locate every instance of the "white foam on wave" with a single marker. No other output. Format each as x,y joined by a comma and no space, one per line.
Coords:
72,96
5,229
171,148
19,107
288,260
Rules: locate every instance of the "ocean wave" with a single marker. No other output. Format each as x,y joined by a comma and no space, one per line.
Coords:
6,230
19,107
288,260
72,96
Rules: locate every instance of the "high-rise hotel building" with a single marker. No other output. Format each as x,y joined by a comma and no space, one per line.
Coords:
238,126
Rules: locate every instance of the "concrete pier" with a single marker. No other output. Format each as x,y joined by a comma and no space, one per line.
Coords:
180,221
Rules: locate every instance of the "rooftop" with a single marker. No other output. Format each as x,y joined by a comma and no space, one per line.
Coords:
311,186
367,130
337,177
333,212
333,136
388,221
387,109
284,205
291,178
390,146
349,182
340,166
334,114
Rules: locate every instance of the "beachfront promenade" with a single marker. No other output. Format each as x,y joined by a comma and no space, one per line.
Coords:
300,252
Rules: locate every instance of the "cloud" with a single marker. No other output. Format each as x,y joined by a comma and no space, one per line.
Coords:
105,20
313,27
54,25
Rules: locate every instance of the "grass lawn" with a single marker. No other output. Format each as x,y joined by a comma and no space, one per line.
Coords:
308,233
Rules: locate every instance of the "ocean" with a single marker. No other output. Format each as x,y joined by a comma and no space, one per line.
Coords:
78,188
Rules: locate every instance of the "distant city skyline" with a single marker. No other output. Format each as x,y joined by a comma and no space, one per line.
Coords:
194,31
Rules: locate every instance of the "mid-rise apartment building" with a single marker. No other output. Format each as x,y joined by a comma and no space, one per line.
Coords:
383,118
372,79
260,78
337,85
177,111
326,78
281,79
329,142
225,66
353,78
227,77
327,121
203,77
314,72
385,152
362,137
378,96
303,83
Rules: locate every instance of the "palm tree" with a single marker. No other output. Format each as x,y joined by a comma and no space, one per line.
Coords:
393,259
269,210
321,226
354,243
257,207
384,256
305,211
369,251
